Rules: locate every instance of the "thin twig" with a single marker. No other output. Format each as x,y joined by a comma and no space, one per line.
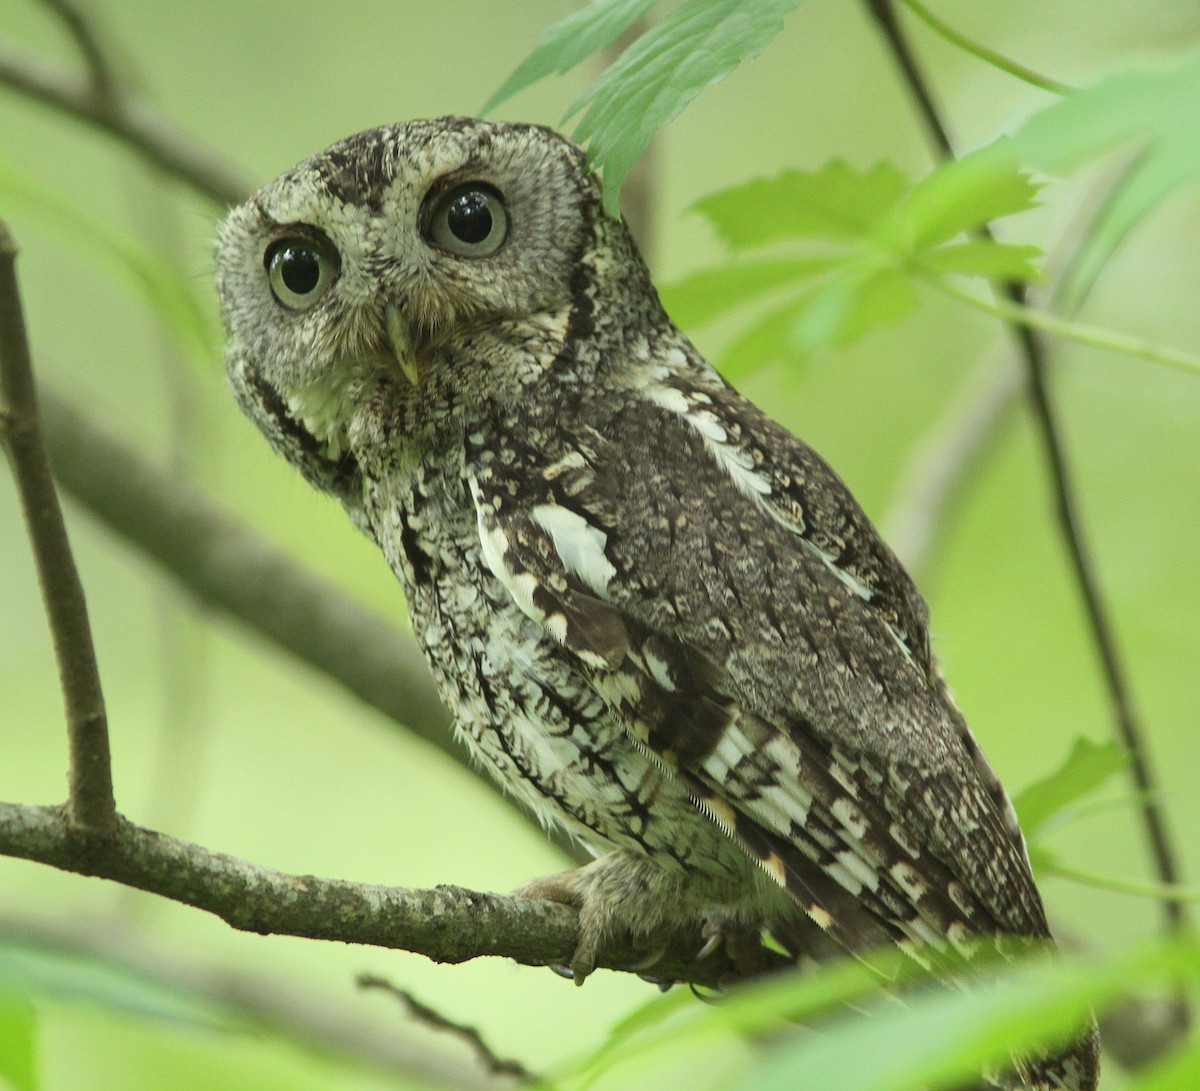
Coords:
135,125
248,997
446,924
434,1019
84,35
1034,355
91,805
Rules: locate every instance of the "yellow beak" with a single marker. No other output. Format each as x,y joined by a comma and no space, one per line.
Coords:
398,337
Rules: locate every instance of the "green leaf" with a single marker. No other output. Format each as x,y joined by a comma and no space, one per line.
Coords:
835,202
18,1022
940,1038
958,197
568,42
659,74
755,1007
1086,767
109,986
1156,113
984,258
171,295
711,293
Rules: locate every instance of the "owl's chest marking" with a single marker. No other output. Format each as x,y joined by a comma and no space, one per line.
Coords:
523,709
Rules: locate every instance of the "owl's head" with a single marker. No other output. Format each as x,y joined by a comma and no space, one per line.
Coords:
401,276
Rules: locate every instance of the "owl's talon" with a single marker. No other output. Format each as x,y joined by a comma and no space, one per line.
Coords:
663,984
710,946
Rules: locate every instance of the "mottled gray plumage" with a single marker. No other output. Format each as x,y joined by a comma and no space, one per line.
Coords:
659,619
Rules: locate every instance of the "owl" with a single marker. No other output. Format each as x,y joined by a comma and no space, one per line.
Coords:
659,619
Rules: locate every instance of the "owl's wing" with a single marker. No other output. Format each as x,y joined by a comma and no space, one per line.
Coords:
790,694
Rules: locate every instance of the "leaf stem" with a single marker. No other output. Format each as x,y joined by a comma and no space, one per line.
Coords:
988,56
1143,888
1096,336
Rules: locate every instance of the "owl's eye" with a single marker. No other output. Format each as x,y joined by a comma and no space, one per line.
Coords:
300,268
470,221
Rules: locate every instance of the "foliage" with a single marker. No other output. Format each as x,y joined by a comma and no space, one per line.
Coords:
655,77
814,260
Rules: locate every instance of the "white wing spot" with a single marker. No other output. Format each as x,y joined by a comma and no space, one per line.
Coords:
850,817
862,871
494,545
578,544
909,881
659,671
900,836
737,464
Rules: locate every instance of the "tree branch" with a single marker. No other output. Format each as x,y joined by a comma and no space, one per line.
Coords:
91,806
134,125
447,924
435,1020
83,34
1034,355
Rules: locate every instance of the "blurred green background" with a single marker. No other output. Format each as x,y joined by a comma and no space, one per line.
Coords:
222,740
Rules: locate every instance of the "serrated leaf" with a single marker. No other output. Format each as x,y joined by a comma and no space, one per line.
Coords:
659,74
958,197
18,1023
1155,112
985,258
1085,768
836,202
569,41
711,293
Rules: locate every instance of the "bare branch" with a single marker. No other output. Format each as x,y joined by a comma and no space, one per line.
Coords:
1033,353
83,34
447,924
430,1017
91,805
135,125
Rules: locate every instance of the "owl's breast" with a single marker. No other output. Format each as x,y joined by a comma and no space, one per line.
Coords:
524,710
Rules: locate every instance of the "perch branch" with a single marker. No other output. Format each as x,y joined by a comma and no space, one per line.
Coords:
447,924
1034,355
91,806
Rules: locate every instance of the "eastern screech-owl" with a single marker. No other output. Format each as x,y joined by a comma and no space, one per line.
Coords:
659,619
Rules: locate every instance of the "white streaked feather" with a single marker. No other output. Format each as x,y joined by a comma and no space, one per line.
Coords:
579,545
